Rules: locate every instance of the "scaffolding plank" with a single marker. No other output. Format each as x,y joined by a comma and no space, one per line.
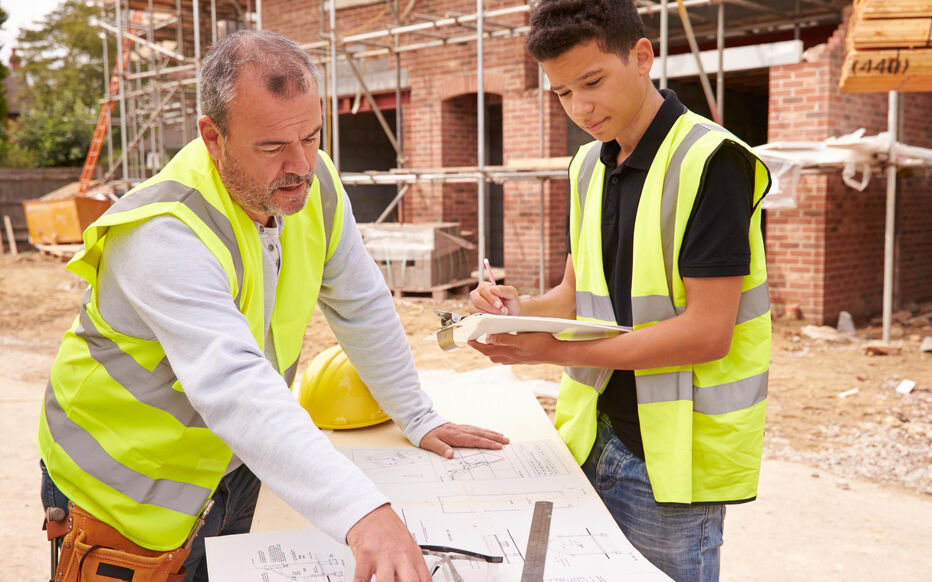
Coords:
893,8
891,33
881,70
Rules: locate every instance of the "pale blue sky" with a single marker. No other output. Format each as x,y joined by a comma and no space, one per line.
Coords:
22,13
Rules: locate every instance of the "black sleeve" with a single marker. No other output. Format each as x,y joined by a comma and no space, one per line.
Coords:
716,240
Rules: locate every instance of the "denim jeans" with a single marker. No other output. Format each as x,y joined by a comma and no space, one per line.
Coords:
234,505
684,542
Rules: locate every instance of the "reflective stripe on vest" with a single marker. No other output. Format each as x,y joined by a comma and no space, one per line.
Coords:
92,465
86,451
153,388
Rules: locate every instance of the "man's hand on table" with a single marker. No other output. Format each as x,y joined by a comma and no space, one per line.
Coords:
442,439
383,547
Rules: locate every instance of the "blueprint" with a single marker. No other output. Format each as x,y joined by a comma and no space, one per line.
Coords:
480,500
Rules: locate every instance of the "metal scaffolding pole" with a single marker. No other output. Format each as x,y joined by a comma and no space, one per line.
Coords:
106,41
134,106
694,47
890,224
375,106
540,153
481,185
720,75
399,118
334,91
119,18
196,8
664,42
324,90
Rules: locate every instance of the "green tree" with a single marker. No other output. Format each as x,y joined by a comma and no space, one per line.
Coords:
62,62
4,72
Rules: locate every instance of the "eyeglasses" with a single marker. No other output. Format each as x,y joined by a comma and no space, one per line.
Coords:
446,556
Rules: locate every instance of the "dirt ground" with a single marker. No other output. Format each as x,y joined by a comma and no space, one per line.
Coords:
846,486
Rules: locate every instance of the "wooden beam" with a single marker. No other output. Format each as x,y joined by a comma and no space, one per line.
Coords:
908,70
894,8
891,33
11,238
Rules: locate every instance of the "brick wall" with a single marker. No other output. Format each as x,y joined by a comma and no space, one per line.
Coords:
827,255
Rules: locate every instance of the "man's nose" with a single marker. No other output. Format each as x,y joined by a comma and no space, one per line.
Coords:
298,161
581,107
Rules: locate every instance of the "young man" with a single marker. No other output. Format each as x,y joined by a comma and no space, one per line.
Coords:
667,420
172,386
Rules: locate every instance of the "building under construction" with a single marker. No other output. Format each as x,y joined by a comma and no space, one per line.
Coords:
434,113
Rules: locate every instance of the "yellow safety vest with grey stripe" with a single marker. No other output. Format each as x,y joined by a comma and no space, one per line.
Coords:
702,425
117,433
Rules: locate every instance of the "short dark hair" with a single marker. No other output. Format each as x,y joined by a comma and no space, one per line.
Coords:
559,25
286,70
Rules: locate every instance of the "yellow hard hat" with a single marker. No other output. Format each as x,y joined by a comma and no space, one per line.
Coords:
334,395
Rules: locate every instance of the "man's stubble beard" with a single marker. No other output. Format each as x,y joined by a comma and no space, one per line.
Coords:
254,196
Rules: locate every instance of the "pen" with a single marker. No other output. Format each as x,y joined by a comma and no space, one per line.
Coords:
488,269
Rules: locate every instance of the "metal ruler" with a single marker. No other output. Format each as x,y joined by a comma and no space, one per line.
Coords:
536,554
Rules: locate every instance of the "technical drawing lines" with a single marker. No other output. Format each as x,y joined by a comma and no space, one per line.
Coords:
538,460
478,464
274,565
393,465
504,501
568,549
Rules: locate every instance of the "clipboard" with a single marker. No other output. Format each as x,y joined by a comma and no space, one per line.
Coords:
456,330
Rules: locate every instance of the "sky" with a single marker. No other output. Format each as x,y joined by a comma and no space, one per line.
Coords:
21,13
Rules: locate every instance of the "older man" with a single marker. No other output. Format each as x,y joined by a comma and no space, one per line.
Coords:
171,388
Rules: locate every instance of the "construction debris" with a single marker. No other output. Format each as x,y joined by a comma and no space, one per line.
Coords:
926,345
882,350
846,324
824,333
905,387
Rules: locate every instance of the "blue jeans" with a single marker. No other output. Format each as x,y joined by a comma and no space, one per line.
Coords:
234,505
684,542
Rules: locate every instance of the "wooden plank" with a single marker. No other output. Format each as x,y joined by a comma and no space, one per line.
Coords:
893,8
891,33
9,235
908,70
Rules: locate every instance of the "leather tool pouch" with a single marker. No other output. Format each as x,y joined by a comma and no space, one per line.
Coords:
93,551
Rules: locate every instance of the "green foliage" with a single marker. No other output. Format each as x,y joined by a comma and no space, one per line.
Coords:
13,155
59,132
62,60
4,72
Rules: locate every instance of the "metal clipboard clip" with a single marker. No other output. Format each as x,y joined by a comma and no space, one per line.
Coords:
445,333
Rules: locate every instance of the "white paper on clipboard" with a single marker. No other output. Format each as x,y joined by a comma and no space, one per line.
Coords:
479,325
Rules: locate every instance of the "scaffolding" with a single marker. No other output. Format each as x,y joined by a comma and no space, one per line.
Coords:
159,99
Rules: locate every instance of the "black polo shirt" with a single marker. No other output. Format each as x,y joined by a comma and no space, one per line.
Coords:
715,243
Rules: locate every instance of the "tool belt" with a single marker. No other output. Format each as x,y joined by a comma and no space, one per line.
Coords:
92,551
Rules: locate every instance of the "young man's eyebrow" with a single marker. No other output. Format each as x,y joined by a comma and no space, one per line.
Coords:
582,77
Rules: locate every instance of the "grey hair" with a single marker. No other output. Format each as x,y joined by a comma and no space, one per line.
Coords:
284,67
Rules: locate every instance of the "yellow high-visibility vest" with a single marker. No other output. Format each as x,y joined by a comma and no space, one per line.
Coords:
117,433
702,425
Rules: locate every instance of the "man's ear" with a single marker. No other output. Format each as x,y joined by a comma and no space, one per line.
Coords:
643,51
212,137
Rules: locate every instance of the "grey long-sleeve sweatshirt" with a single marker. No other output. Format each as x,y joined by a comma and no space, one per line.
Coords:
159,282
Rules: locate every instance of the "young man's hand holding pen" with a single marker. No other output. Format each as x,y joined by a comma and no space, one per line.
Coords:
489,297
